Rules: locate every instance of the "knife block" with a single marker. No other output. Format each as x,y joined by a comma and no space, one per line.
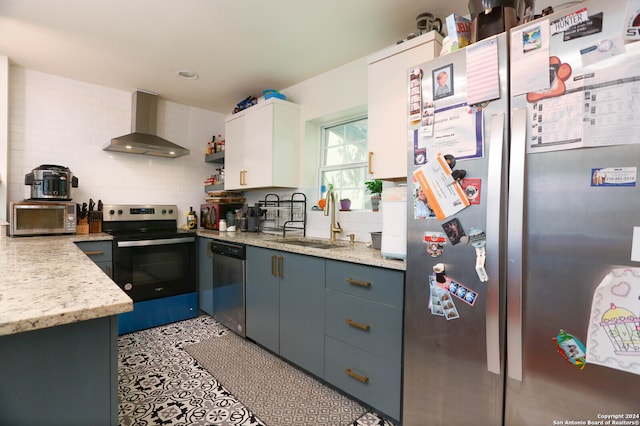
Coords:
95,221
83,226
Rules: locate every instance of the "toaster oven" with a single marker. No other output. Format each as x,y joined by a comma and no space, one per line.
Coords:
42,217
210,214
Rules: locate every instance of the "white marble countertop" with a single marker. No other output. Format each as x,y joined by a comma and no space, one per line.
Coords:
49,281
358,252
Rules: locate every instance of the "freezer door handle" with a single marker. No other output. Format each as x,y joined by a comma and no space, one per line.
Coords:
495,184
515,238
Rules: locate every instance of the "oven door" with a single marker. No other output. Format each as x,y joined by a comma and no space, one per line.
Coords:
153,268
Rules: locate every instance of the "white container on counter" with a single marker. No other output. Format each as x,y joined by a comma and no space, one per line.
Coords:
394,223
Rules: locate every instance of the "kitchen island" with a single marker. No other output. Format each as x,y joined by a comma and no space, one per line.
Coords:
58,333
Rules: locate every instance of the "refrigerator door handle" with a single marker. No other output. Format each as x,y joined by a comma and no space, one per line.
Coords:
515,237
494,219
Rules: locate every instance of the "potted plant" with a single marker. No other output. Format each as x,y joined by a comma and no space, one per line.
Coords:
375,188
345,204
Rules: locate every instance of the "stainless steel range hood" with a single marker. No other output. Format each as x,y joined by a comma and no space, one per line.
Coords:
142,139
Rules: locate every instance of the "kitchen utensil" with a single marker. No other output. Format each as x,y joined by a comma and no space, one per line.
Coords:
426,22
51,182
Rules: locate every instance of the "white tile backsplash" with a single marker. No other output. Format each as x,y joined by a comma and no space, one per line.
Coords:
53,120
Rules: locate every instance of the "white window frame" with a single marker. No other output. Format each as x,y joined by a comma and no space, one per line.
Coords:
322,168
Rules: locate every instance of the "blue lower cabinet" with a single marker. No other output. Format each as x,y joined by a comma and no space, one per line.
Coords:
152,313
63,375
363,333
370,378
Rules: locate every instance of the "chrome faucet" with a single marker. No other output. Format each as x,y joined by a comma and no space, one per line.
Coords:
330,206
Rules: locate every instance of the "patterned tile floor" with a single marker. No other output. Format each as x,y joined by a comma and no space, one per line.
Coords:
159,383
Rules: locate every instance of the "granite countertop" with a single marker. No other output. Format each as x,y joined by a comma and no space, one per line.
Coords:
358,252
48,281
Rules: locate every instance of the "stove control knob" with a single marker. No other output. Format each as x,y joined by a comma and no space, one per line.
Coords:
164,211
112,211
119,211
170,211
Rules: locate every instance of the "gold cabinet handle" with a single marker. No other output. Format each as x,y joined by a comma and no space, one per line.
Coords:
369,163
93,253
358,282
356,376
280,272
359,325
273,265
243,177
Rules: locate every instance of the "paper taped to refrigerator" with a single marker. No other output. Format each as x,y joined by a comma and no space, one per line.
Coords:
613,339
444,195
604,100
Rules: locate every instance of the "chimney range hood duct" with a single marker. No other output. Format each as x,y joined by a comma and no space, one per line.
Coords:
142,139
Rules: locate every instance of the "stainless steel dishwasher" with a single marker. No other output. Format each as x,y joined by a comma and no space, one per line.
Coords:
229,284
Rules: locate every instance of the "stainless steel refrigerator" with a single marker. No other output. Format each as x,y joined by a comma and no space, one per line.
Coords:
551,210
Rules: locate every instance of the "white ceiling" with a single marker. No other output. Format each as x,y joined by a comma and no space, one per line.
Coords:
238,47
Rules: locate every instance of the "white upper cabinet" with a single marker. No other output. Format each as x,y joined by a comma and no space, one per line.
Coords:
262,145
388,100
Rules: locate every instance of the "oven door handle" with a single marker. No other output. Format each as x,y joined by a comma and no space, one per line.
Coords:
158,242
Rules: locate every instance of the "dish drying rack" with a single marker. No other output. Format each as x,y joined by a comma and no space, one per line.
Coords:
281,216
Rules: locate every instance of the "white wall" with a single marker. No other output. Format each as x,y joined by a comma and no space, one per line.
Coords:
53,120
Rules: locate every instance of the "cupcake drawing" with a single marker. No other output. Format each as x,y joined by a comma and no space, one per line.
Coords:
623,329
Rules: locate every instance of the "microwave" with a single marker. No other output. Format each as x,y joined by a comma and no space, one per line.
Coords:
210,214
42,217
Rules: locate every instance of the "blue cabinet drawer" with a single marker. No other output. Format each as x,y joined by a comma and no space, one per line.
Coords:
98,251
379,284
371,379
371,326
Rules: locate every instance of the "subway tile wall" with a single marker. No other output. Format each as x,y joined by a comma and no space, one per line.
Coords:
53,120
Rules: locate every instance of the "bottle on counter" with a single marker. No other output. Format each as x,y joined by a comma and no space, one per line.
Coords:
192,219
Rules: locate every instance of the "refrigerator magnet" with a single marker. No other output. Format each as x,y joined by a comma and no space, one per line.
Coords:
435,242
571,349
458,290
454,231
448,307
471,188
435,292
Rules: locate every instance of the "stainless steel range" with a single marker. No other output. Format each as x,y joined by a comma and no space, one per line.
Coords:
154,262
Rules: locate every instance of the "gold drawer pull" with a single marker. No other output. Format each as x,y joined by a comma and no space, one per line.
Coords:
356,376
358,282
93,253
359,325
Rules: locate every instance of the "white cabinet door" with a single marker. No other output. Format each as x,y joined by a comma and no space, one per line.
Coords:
388,98
259,146
234,152
262,146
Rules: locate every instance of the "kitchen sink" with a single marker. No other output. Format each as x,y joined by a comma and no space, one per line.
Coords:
312,244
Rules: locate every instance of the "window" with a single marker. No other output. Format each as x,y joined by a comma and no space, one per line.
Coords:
344,160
